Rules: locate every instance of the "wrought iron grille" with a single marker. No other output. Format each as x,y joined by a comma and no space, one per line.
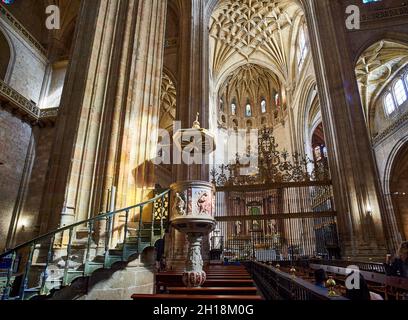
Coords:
274,166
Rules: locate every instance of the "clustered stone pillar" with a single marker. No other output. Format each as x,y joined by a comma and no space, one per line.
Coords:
193,97
109,111
355,178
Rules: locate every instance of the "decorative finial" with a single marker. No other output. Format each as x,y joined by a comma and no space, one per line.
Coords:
196,124
331,284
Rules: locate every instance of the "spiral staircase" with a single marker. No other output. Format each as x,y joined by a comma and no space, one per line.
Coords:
43,266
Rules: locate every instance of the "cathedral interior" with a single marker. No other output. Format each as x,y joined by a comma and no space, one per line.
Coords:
154,149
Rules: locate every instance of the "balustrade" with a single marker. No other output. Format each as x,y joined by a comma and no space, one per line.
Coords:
278,285
25,107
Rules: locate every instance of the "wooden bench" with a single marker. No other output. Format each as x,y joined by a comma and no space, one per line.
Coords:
223,283
228,274
209,276
229,283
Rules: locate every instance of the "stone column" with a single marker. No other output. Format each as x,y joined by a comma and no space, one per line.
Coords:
193,91
141,104
136,119
352,163
109,110
79,114
192,96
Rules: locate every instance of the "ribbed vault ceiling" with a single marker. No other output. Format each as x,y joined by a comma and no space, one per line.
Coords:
376,67
254,30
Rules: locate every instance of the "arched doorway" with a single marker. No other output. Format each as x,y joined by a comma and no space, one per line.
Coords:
399,189
5,56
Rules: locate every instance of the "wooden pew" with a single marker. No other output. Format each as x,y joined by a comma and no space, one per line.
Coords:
223,282
209,276
229,283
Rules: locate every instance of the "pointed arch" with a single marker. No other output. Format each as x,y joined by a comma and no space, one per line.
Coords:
6,56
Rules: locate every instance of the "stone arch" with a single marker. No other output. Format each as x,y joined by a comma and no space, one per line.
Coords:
376,67
306,98
389,51
228,70
401,38
295,72
398,152
250,84
6,56
398,189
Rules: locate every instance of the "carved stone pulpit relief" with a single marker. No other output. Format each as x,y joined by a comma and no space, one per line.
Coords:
193,214
180,204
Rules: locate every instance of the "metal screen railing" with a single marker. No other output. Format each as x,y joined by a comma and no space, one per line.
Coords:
55,260
281,222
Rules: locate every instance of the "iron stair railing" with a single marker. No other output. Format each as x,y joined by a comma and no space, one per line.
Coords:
54,260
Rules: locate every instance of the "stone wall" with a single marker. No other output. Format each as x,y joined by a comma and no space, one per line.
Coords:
27,66
118,283
33,190
25,71
122,284
15,137
25,152
382,122
55,85
386,151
